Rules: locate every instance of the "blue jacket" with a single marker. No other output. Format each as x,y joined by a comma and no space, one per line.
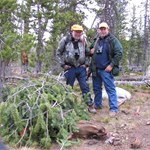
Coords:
113,51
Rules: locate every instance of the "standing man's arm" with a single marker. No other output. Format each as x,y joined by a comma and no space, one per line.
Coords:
117,54
92,48
87,53
60,51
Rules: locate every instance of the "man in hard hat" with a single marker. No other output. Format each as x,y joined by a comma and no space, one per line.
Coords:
106,51
73,57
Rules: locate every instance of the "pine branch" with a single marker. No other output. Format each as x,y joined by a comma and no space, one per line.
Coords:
24,132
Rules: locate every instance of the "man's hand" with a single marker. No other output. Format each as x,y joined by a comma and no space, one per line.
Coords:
84,66
66,67
108,68
92,51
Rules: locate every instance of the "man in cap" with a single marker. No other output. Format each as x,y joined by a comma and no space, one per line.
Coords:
73,56
106,52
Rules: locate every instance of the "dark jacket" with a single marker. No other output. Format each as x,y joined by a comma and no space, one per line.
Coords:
115,54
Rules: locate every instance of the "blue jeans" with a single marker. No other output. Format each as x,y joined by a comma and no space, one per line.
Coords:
108,80
79,73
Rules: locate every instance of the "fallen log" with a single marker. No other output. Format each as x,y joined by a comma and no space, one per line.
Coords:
14,79
132,78
134,83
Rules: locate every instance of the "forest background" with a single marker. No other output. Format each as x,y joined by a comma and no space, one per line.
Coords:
35,27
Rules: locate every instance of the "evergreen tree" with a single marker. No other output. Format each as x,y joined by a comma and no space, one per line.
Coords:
8,36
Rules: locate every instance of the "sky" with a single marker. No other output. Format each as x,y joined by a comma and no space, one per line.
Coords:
89,20
90,16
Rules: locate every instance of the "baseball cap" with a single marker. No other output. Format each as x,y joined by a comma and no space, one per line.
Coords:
103,25
76,27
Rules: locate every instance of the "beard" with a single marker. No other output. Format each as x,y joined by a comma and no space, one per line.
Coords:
75,36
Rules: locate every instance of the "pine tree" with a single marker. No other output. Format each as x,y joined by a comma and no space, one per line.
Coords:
7,36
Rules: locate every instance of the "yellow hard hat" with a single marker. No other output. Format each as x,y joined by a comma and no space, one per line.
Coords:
76,27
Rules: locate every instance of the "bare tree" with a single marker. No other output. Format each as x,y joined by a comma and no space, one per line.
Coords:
146,34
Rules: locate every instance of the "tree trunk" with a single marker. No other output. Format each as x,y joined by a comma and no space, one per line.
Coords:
1,72
145,47
39,49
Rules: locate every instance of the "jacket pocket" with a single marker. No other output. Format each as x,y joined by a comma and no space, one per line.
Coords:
115,71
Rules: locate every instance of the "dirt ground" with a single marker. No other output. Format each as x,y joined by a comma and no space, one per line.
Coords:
132,125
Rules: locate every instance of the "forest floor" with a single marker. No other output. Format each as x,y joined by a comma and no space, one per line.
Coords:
131,127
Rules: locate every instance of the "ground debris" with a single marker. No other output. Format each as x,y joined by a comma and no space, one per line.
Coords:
148,123
137,112
92,142
136,143
126,112
110,140
113,141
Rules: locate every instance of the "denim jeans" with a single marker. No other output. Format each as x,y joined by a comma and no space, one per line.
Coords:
108,80
79,73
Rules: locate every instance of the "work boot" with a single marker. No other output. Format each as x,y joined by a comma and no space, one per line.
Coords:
92,110
98,107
